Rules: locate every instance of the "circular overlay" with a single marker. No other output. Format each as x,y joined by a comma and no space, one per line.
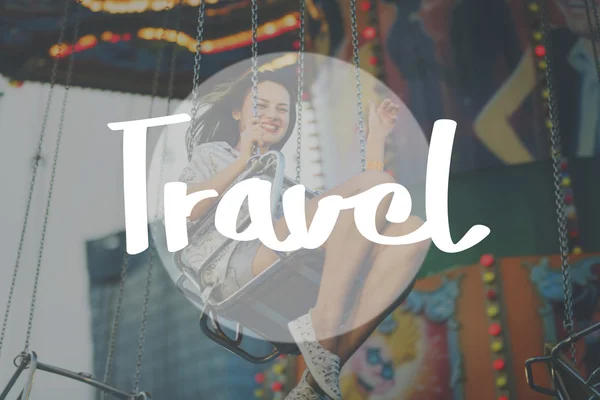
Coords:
330,156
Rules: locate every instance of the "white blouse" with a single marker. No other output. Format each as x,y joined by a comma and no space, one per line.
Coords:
207,160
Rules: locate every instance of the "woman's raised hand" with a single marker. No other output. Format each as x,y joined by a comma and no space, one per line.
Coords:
253,134
382,118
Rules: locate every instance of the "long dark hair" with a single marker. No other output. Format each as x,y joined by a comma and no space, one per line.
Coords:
217,124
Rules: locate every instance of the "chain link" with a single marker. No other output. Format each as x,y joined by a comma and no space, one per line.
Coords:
556,148
115,325
143,324
191,132
51,188
254,8
61,37
359,105
124,266
300,90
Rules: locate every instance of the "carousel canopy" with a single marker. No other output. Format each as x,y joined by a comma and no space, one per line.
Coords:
119,40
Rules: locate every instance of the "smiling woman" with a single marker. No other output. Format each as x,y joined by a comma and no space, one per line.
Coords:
230,112
230,122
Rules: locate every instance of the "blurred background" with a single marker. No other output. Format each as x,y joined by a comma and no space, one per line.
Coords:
473,318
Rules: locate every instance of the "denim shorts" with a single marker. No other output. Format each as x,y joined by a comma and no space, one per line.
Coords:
239,268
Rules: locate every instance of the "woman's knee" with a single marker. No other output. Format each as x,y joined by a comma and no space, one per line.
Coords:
372,178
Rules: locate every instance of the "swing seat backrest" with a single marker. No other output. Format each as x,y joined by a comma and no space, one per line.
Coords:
568,383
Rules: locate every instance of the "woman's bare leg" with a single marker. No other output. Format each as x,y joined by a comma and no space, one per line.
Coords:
394,268
346,250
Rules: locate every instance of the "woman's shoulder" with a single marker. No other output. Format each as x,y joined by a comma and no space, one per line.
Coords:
213,148
215,154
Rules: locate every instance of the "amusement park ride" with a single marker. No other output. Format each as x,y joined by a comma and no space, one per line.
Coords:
117,45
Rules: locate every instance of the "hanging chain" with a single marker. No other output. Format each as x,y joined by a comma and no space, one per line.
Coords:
61,37
51,188
254,7
124,266
171,86
595,32
558,190
151,255
300,90
359,105
115,326
196,80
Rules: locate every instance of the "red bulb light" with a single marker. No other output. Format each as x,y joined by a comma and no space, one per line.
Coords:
277,387
491,294
574,233
369,33
499,364
540,50
568,199
495,330
127,36
296,44
487,260
373,60
259,378
365,5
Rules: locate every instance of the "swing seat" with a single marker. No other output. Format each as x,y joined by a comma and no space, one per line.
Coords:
30,362
265,305
567,381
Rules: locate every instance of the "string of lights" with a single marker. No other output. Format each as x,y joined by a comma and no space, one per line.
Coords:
266,31
539,52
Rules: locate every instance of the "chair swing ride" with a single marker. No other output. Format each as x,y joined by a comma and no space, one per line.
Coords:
258,304
568,384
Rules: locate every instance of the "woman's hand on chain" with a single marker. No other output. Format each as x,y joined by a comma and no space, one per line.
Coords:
252,135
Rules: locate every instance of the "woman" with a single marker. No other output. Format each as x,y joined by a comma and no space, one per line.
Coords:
220,145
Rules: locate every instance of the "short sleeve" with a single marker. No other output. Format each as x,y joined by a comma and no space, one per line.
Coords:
200,167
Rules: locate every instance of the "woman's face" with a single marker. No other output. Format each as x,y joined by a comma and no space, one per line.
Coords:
273,108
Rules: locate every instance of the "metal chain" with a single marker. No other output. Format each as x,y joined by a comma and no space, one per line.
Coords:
556,148
173,63
51,188
115,325
142,335
254,8
196,80
595,33
359,105
61,37
124,266
300,90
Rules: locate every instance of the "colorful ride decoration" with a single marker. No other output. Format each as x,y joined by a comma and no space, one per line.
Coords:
465,334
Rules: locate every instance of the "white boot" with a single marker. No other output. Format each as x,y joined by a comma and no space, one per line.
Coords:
324,366
303,391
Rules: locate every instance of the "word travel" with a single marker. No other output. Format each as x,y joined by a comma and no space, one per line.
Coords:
178,204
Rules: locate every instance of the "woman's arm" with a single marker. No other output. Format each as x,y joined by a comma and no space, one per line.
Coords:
222,179
375,148
219,182
381,122
492,125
